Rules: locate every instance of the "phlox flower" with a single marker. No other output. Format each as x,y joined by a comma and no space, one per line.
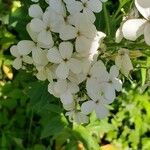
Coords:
134,28
63,89
88,7
63,57
123,62
21,56
35,11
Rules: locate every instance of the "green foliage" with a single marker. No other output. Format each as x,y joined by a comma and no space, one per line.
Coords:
32,119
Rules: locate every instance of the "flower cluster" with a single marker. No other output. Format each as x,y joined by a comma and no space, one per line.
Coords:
65,51
133,27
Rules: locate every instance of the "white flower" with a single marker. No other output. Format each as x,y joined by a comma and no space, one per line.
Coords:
21,54
83,27
64,90
87,6
100,82
45,72
77,117
99,106
134,28
63,57
87,37
57,6
35,11
123,62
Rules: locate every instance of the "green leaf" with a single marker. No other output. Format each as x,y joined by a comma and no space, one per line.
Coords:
54,126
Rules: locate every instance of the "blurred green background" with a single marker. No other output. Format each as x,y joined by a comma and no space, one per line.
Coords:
32,119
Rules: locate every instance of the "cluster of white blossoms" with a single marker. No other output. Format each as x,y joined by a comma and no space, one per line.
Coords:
64,51
136,26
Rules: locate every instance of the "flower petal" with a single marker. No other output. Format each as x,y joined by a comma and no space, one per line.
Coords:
25,47
133,28
101,111
88,107
66,50
147,33
68,32
94,5
89,14
37,25
74,7
109,92
117,84
60,86
62,71
66,98
74,65
45,38
17,63
144,8
27,59
14,51
35,11
54,56
114,71
39,56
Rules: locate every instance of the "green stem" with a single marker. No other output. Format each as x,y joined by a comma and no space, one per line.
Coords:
106,20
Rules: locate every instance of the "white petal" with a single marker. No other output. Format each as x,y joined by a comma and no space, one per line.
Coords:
85,26
94,5
90,15
88,107
133,28
27,59
53,20
68,32
124,63
25,47
119,35
80,118
147,33
41,75
74,65
114,71
39,56
73,87
45,37
35,11
85,46
74,7
62,71
117,84
51,89
69,107
93,88
66,98
99,71
66,50
101,111
144,7
54,56
109,92
14,51
17,63
60,86
37,25
58,6
31,33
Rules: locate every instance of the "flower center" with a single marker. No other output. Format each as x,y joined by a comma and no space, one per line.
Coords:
48,29
85,4
65,60
88,76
